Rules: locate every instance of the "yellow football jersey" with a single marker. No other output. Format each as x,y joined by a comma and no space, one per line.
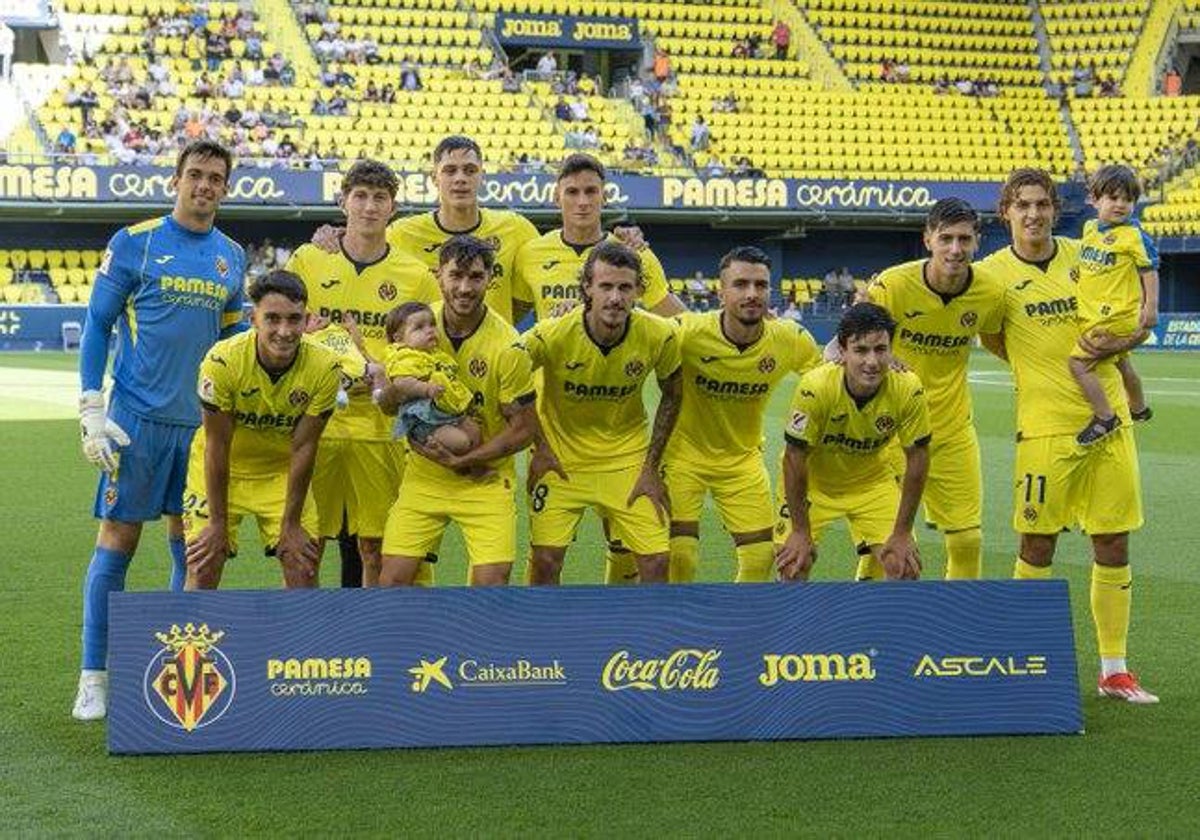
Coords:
847,442
547,272
1040,331
431,366
265,410
934,335
726,387
1111,258
591,404
422,237
336,288
495,368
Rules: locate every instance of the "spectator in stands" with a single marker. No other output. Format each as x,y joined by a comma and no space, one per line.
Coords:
590,139
965,86
887,72
714,168
410,78
901,72
781,37
839,286
987,87
547,65
941,85
215,50
371,94
234,85
1172,83
338,106
700,134
562,111
287,74
727,104
203,87
661,68
254,47
387,95
509,83
754,45
791,311
65,142
650,120
579,110
272,72
1109,87
741,48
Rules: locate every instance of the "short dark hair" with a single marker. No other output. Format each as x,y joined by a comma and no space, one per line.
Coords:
454,143
1115,179
951,211
279,282
393,325
1027,176
609,253
204,149
371,173
864,318
579,162
746,254
464,250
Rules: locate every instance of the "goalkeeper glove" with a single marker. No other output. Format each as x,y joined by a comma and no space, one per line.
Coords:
99,432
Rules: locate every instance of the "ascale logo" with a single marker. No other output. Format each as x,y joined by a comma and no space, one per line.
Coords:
475,673
981,666
686,669
816,667
318,677
189,683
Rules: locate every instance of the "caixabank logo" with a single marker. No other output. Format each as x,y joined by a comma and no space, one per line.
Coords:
473,672
189,683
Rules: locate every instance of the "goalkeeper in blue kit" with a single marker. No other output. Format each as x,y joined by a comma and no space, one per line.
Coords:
171,286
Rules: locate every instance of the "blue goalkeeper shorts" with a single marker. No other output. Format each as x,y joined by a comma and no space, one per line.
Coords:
150,474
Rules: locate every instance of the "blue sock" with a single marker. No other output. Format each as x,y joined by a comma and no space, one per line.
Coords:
178,563
105,574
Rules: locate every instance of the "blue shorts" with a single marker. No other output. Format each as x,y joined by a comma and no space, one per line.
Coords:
419,419
150,474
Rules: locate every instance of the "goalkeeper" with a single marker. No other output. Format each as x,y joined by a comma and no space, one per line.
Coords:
171,286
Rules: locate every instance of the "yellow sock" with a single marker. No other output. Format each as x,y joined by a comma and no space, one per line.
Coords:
620,569
1111,596
755,562
685,557
964,555
1024,571
869,568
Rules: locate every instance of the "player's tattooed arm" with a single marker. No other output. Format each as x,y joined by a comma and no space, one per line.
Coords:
207,552
794,559
520,427
542,459
664,418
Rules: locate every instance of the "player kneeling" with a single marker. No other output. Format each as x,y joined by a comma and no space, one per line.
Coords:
267,394
843,419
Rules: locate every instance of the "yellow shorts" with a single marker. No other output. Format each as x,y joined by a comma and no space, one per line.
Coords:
262,498
954,489
556,506
740,488
871,514
485,512
361,477
1122,326
1059,484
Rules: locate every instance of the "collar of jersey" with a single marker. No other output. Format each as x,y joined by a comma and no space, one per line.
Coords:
438,224
605,349
175,227
577,248
741,348
946,299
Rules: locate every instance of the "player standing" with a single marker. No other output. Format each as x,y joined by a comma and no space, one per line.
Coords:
359,466
836,465
435,490
733,358
267,394
1058,483
172,286
940,305
594,361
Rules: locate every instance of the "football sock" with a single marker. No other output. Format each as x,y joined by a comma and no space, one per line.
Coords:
685,557
105,574
1111,596
620,568
1025,571
964,555
178,562
755,562
870,568
351,561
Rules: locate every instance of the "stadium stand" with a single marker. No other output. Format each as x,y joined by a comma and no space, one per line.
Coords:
1096,38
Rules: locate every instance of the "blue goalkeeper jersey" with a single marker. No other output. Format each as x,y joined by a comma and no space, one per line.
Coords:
171,293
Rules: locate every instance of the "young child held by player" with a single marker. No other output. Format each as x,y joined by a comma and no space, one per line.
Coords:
1118,293
437,412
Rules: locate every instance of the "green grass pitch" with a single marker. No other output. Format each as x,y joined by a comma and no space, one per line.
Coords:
1133,773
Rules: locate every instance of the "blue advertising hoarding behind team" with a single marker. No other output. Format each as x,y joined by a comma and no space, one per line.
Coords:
291,188
332,669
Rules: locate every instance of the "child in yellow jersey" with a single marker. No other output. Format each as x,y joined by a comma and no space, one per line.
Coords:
345,341
1118,293
436,411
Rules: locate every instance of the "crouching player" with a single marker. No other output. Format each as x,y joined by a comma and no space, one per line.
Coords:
267,394
843,419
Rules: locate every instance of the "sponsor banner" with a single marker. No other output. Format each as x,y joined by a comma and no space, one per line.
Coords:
34,326
1176,331
333,669
586,33
285,187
